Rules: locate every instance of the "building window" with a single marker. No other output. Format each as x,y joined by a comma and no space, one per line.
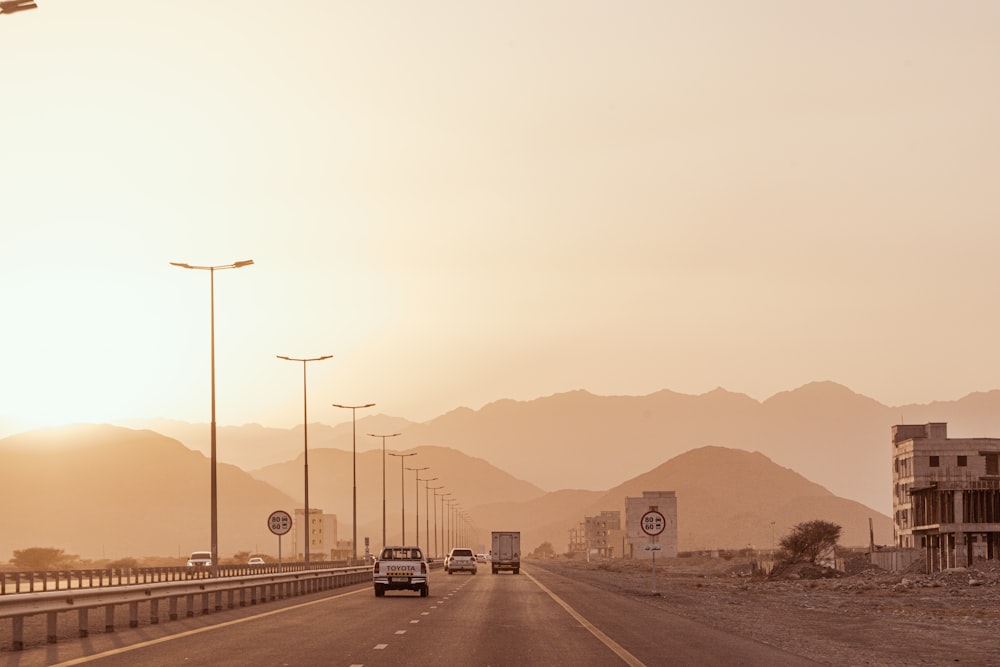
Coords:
993,464
935,461
963,461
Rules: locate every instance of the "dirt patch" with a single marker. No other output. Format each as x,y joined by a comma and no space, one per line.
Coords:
864,616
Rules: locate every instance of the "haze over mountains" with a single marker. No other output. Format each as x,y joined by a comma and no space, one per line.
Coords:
737,465
109,492
576,440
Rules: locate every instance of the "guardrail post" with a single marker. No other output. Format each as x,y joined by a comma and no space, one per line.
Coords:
204,602
190,605
109,618
173,607
50,625
133,614
84,624
17,628
154,611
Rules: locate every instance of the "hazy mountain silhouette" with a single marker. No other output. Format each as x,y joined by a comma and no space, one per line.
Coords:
726,498
106,491
109,491
823,430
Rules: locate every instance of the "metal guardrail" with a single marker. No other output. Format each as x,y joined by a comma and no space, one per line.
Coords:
205,594
55,580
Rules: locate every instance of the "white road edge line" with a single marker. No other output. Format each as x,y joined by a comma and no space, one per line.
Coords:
188,633
618,649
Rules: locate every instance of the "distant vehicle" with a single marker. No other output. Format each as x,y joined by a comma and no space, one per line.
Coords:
460,559
200,559
256,560
400,569
480,558
506,552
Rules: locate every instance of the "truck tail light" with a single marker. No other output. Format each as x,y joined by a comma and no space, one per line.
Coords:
423,568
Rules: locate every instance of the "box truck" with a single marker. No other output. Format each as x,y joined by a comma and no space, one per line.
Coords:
506,552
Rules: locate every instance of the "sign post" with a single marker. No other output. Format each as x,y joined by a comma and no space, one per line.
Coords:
279,523
653,524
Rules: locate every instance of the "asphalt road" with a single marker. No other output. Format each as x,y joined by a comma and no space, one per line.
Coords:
535,618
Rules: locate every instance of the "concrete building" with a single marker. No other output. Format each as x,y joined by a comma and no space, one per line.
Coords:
946,495
664,502
322,534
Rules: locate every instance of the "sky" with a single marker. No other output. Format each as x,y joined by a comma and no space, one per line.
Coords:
469,201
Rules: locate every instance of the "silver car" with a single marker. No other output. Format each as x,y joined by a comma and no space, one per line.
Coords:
460,559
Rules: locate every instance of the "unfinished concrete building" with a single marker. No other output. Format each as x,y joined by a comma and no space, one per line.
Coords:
946,495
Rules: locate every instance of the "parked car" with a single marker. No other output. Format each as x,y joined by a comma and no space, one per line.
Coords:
200,559
460,559
256,560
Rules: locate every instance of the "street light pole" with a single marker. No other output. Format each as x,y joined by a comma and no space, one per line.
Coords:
416,499
433,508
214,503
427,517
354,468
390,435
305,440
402,490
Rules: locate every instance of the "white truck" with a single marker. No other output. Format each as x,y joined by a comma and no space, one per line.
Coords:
400,569
506,551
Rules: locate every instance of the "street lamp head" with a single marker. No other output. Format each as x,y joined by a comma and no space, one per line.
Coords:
12,6
234,265
354,407
387,435
325,356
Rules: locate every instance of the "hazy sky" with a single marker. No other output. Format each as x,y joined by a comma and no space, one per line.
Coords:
467,201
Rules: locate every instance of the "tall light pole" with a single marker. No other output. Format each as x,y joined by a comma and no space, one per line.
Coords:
214,483
390,435
402,490
434,509
446,531
354,468
427,508
416,499
305,442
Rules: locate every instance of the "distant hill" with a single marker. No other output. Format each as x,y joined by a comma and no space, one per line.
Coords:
106,491
726,498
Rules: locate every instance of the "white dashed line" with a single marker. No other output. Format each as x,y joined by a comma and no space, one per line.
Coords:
400,632
379,647
415,621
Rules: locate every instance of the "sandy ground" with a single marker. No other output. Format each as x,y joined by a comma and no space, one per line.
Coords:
869,617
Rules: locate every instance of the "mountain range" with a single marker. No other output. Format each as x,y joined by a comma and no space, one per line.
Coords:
577,440
745,471
101,491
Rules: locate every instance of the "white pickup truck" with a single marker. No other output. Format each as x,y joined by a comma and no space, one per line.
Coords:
400,569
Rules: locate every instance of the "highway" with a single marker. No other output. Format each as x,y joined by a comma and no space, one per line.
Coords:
535,618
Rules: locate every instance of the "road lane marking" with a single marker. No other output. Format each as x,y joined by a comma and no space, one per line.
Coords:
618,649
400,632
379,647
415,621
188,633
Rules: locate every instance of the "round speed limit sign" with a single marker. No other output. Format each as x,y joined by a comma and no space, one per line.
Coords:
279,522
653,523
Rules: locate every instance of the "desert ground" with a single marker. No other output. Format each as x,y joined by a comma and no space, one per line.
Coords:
864,616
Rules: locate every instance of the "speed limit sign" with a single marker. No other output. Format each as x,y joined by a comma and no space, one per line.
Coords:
279,522
653,523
